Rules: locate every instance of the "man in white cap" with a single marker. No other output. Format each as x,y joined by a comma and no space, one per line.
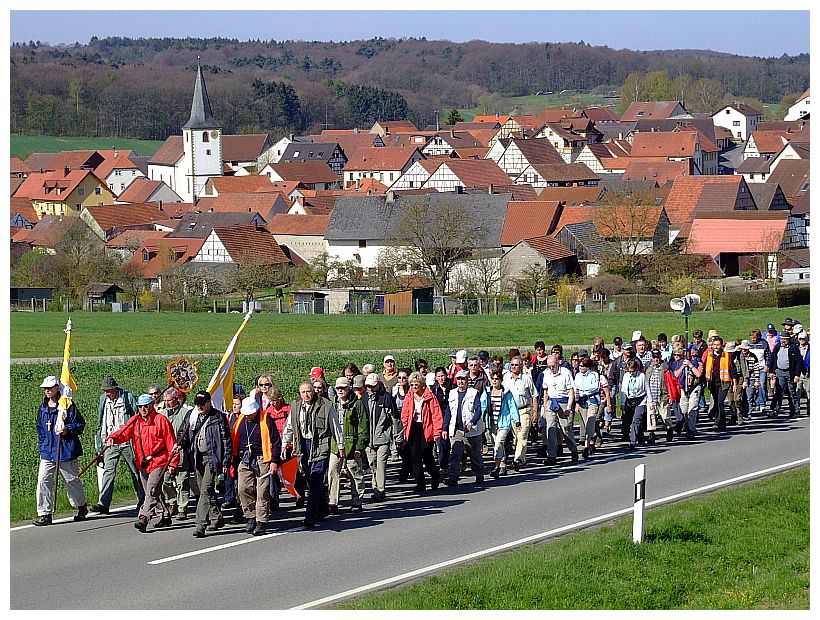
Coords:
256,451
67,433
389,376
464,425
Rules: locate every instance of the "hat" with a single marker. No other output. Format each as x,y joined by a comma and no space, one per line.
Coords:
316,372
770,327
628,346
744,345
109,383
636,334
678,349
583,353
50,382
785,334
372,379
249,406
342,382
798,327
461,356
454,352
145,399
462,374
730,347
358,381
430,379
202,397
802,336
388,358
656,353
483,355
712,333
788,322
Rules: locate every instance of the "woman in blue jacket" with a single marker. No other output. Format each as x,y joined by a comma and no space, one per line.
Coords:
49,432
500,411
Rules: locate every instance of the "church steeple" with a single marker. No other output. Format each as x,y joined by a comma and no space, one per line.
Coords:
201,115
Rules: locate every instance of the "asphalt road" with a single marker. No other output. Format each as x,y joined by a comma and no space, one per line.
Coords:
106,563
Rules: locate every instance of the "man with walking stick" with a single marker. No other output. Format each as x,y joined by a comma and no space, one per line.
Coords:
59,446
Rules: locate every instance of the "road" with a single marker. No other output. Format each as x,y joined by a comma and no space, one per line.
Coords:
106,563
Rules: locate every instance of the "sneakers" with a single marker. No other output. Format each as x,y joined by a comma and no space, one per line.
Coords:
220,523
451,483
42,520
251,526
260,529
377,496
503,471
103,510
142,524
82,513
495,473
182,515
517,465
199,534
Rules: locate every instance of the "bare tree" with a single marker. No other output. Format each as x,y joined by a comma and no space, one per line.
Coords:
438,237
251,274
534,281
480,277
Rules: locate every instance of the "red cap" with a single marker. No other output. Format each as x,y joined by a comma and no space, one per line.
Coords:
316,373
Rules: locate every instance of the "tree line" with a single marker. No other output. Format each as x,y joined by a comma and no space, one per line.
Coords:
141,88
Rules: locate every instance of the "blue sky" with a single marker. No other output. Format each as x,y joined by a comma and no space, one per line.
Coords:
744,32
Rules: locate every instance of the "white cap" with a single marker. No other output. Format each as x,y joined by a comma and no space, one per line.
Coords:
430,379
636,335
462,374
372,379
50,382
249,406
461,356
342,382
389,357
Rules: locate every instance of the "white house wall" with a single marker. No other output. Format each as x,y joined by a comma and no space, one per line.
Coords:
212,251
368,257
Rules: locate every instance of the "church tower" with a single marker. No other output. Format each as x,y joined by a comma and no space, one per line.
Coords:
202,143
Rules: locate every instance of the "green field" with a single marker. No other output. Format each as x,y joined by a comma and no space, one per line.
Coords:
532,104
23,146
144,333
713,552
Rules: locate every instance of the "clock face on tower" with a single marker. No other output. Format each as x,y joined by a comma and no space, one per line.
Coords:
214,134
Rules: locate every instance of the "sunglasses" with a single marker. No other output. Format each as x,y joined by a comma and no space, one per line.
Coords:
153,394
264,385
143,406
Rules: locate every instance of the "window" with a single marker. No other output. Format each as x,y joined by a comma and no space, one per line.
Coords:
295,154
735,123
205,137
192,225
122,186
207,151
728,111
81,191
310,154
117,173
145,256
110,186
362,243
98,190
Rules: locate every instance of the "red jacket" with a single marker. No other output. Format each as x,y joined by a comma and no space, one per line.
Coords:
152,437
431,418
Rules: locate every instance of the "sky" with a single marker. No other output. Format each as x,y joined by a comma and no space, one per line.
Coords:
745,32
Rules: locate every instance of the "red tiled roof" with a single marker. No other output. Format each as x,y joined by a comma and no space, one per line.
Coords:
261,203
245,147
347,139
649,109
40,161
556,115
18,167
169,153
111,216
183,248
23,206
74,160
44,185
283,224
689,193
565,172
307,172
48,233
484,136
401,126
134,238
792,175
471,152
571,196
246,243
538,150
658,169
574,215
491,118
549,247
477,172
371,187
378,158
768,141
738,232
139,190
120,162
600,114
240,185
634,221
524,220
663,144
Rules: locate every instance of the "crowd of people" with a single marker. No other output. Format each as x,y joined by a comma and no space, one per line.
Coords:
435,424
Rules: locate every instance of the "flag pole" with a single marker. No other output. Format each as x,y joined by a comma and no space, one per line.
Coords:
67,389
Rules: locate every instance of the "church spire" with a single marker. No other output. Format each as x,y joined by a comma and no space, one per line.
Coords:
201,115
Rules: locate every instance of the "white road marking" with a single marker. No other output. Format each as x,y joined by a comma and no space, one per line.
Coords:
236,543
551,533
91,517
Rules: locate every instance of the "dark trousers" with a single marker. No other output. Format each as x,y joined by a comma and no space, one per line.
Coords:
316,477
207,507
719,390
421,453
443,453
230,490
785,383
637,424
406,463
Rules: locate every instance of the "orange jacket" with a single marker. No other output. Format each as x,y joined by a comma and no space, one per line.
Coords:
268,434
431,418
153,436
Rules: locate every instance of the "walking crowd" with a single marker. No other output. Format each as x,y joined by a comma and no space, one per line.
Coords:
434,424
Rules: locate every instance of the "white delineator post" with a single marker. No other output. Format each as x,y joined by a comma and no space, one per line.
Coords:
640,502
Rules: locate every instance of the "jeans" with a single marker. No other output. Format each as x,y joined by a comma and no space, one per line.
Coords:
785,383
110,459
473,447
760,397
317,500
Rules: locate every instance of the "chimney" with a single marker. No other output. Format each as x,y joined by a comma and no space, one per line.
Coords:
355,130
452,134
66,170
159,205
290,137
391,196
459,189
116,153
490,188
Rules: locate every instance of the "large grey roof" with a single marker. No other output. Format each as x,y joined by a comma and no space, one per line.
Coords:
200,225
614,129
313,151
201,115
587,235
373,217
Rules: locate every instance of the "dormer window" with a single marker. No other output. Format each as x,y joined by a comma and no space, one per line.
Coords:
205,137
145,256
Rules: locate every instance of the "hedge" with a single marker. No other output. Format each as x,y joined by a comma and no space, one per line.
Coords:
783,297
641,303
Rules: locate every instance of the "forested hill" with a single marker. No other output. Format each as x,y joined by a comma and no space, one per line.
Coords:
141,88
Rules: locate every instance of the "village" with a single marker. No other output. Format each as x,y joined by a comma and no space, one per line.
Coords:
394,218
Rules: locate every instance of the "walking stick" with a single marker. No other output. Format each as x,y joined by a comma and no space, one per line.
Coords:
56,475
93,461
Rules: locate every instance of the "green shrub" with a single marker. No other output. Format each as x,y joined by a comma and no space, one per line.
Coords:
783,297
641,303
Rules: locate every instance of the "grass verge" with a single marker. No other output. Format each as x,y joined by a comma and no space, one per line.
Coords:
742,548
144,333
23,146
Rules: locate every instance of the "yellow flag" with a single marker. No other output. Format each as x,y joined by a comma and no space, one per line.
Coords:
221,385
67,385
